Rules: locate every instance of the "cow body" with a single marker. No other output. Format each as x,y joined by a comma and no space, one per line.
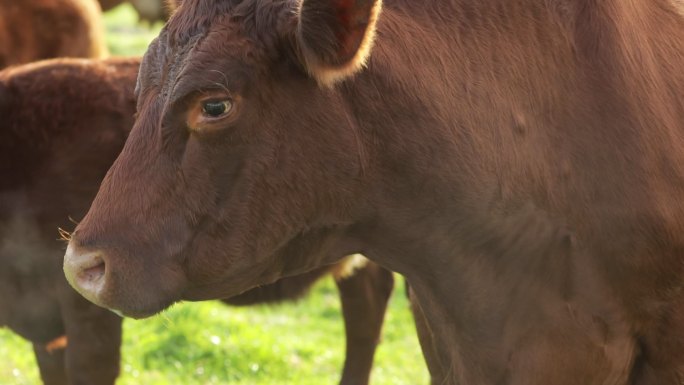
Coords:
64,123
32,30
520,162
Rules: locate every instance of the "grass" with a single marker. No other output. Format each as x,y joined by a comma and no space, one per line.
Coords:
124,35
209,343
301,343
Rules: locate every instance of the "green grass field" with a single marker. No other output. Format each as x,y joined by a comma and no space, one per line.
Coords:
209,343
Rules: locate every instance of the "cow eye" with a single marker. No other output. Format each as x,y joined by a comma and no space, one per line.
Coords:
216,108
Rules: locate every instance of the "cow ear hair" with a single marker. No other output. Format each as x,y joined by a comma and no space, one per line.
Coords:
335,37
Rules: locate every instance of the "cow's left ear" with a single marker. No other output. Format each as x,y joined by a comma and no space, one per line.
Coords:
335,37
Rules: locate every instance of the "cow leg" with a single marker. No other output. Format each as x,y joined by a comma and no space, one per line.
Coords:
51,365
94,340
425,337
364,296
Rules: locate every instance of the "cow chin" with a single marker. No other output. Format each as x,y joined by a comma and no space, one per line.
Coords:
211,292
125,287
226,288
142,312
140,307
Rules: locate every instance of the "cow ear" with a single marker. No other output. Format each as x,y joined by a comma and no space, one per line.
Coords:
335,37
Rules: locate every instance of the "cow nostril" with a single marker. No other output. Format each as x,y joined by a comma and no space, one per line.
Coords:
91,275
86,271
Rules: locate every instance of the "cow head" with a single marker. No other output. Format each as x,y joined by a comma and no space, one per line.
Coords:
244,164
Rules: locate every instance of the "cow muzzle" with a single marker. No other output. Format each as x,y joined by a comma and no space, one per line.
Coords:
86,271
117,280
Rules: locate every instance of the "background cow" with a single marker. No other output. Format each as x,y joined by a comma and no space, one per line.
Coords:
32,30
521,162
64,121
54,114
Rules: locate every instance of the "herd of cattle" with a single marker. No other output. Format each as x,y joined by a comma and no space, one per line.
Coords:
520,162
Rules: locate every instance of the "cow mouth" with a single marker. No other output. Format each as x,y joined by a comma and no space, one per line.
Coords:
141,310
141,313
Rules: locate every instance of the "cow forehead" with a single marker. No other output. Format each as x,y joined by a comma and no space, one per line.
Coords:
254,17
164,64
174,60
261,21
246,33
193,17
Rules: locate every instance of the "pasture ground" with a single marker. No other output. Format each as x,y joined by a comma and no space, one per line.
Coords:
209,343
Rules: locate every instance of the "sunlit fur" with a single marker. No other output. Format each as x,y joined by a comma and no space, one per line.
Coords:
328,75
347,267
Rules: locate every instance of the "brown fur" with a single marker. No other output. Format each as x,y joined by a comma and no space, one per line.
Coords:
32,30
521,162
63,123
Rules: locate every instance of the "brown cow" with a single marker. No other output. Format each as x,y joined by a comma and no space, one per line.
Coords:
64,121
521,162
32,30
54,113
